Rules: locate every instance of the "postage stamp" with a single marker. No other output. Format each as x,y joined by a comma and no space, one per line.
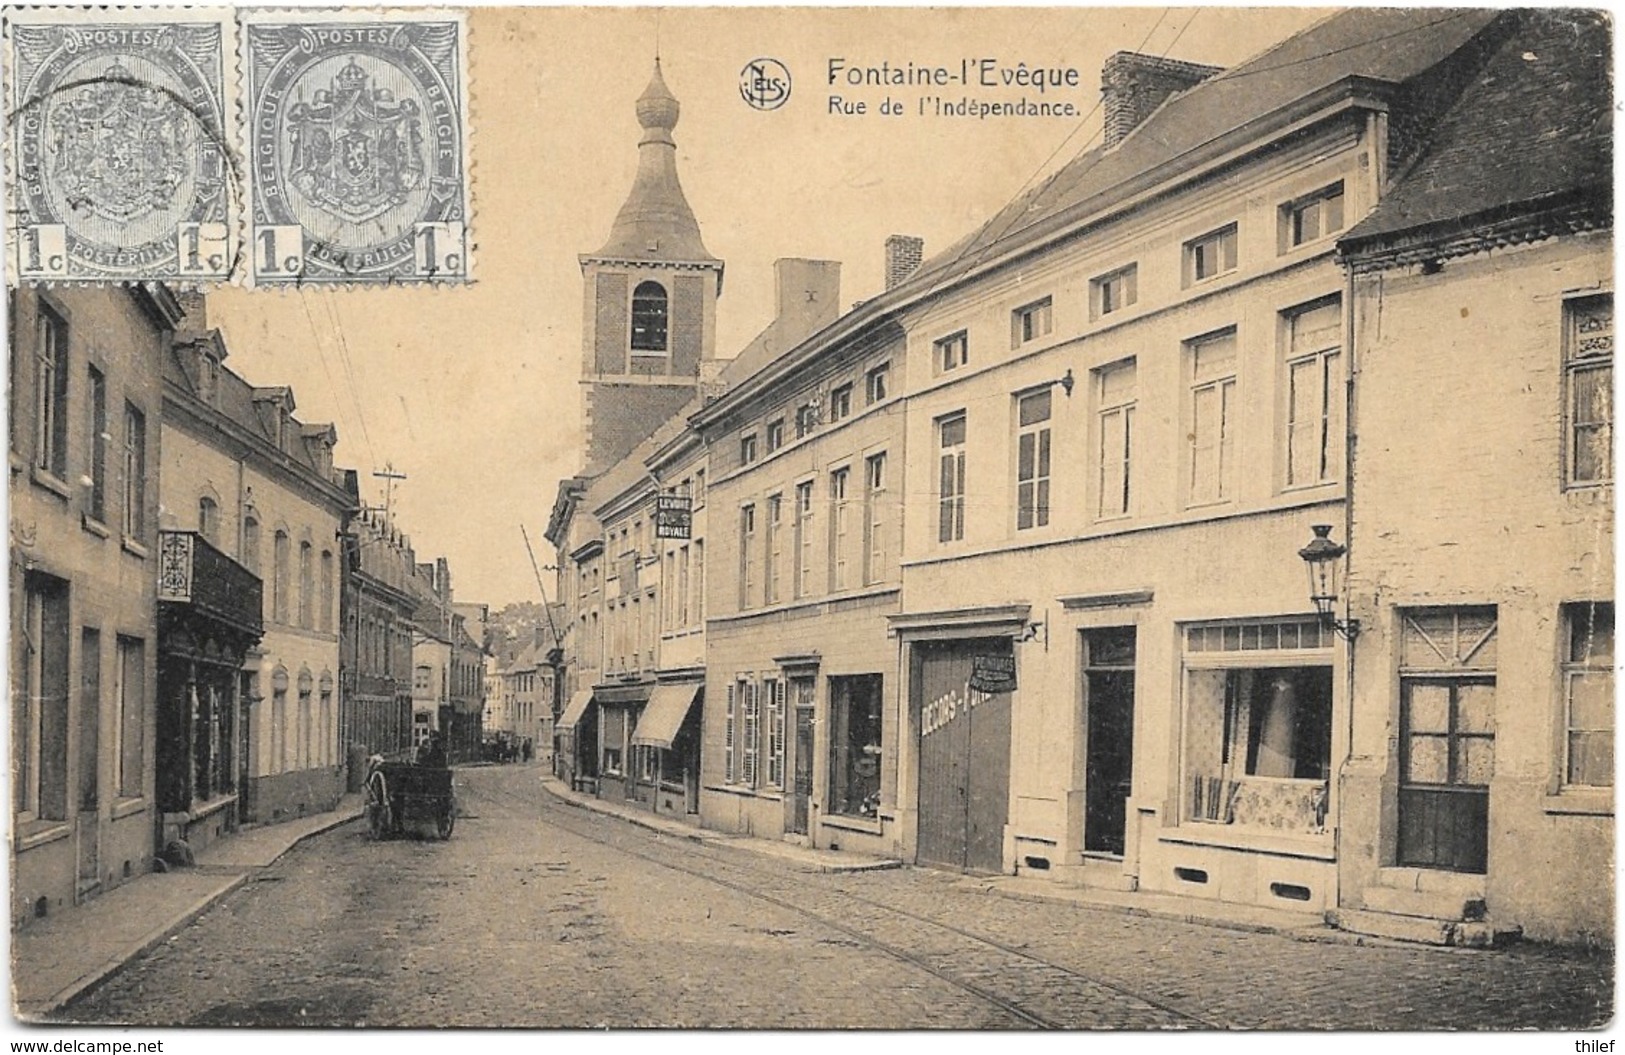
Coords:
357,139
120,126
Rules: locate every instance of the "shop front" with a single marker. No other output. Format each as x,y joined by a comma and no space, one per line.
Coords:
575,757
619,708
1253,772
209,617
666,749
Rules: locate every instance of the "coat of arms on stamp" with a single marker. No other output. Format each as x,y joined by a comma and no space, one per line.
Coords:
356,134
119,147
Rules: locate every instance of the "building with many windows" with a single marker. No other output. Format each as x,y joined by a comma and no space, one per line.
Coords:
804,499
1479,793
252,735
376,609
84,438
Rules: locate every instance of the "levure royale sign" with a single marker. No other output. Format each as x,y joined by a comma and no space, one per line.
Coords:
674,516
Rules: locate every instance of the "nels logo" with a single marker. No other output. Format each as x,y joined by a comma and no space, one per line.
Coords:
764,84
357,152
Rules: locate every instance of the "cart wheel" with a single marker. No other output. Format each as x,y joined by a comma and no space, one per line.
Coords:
447,821
379,816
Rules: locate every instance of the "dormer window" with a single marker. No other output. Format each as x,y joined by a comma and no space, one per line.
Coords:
649,319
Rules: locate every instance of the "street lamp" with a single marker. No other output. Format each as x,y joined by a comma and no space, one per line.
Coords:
1324,559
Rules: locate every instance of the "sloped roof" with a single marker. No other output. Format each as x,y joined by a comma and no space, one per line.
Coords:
1382,44
1535,123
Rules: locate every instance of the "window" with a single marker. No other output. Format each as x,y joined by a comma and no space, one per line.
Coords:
1030,322
952,352
1588,689
874,519
875,383
51,393
807,417
649,318
752,731
329,579
773,693
307,585
97,445
747,555
804,538
612,728
773,576
683,617
1210,255
1115,387
1258,744
854,746
40,716
840,536
1588,360
208,519
135,473
1032,459
775,434
951,478
1211,429
131,693
1115,291
840,402
1314,425
1312,217
698,494
699,581
747,448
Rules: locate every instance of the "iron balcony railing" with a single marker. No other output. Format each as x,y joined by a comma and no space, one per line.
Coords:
191,571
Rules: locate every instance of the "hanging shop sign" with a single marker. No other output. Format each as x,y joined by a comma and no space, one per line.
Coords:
674,516
993,673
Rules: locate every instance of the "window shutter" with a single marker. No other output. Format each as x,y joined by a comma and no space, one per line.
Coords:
752,731
776,756
728,754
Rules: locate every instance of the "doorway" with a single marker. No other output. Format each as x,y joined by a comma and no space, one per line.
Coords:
89,760
1108,694
801,779
964,752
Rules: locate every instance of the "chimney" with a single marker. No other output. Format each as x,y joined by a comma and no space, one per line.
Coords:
193,304
809,296
1133,85
904,254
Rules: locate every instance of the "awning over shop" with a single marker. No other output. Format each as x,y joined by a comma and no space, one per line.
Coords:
573,713
668,706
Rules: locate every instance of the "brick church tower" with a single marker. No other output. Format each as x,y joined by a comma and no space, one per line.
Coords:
651,294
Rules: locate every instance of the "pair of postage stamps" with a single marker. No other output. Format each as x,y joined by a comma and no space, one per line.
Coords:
268,147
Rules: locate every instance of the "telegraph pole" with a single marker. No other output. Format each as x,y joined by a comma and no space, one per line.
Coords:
389,476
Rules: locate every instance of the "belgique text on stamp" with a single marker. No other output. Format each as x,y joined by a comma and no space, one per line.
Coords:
120,144
357,147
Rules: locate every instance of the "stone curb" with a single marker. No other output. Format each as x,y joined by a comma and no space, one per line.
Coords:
555,787
34,1013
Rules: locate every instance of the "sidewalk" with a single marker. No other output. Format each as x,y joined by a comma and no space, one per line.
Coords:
804,858
59,958
1301,926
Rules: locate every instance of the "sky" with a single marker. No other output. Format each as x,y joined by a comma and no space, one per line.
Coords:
473,392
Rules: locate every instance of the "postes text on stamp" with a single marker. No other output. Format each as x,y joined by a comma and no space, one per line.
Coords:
357,144
119,145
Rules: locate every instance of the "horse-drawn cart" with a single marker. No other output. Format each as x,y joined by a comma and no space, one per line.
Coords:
400,794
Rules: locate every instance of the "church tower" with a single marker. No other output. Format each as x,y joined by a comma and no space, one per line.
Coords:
651,294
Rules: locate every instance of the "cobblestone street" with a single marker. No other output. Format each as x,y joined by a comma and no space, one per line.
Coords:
539,914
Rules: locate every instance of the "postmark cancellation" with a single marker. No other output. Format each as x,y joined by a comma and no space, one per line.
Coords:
356,135
120,127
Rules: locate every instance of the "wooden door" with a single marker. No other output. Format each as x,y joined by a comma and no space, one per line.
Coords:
1447,749
801,784
964,752
89,758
